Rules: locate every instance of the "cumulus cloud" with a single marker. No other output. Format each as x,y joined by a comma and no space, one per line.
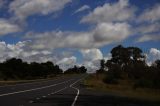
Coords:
153,55
24,8
92,59
92,54
92,66
103,34
67,62
21,50
119,11
146,38
59,39
109,32
151,15
155,52
7,27
83,8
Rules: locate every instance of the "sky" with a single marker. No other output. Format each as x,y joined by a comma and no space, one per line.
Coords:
77,32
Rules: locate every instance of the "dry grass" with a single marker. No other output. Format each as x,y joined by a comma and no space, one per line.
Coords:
124,88
13,82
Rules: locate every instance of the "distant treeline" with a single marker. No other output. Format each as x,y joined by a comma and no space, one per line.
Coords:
129,63
76,70
17,69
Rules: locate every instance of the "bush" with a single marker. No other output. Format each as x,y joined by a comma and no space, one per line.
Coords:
110,79
143,83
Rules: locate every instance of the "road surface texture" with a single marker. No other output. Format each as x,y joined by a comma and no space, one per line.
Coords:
61,92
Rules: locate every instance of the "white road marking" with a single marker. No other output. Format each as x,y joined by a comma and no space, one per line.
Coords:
37,98
59,90
75,99
33,89
55,92
31,101
43,96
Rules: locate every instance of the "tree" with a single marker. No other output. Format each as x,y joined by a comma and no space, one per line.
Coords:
82,69
76,70
126,62
120,55
157,63
17,69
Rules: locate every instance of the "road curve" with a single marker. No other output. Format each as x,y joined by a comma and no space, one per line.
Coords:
41,93
63,92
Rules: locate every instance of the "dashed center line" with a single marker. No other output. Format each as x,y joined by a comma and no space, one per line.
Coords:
43,96
31,101
37,98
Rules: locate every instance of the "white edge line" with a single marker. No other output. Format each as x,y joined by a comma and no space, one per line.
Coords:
75,99
34,89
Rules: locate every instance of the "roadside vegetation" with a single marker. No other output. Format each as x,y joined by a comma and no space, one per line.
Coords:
127,74
14,69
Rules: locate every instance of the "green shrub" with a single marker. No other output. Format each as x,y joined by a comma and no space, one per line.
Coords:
111,78
143,83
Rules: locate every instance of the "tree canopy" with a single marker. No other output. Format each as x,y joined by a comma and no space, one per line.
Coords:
129,63
17,69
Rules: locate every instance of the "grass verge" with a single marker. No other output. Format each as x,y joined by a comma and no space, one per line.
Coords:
124,88
13,82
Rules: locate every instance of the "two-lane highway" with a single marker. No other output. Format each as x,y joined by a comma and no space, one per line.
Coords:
63,92
41,93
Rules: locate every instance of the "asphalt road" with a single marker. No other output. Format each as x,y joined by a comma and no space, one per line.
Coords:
61,92
41,93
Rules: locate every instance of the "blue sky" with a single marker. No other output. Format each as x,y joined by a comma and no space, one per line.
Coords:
70,32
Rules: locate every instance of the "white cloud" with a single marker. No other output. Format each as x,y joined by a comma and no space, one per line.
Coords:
92,54
150,37
153,55
119,11
148,28
107,57
149,24
7,27
108,32
22,50
67,62
103,34
24,8
92,66
1,3
91,59
59,39
155,52
151,15
83,8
